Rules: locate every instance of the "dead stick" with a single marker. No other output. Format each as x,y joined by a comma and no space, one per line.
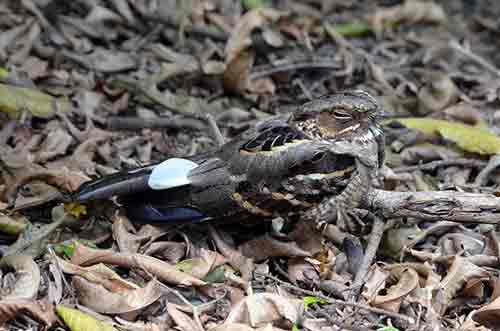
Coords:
436,205
371,251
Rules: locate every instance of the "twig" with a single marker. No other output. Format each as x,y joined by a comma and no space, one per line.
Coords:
371,251
436,205
478,59
214,128
442,163
137,123
198,30
194,308
342,303
482,177
340,324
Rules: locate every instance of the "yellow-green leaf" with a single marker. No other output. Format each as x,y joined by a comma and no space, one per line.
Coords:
4,73
185,265
354,29
469,138
80,321
76,209
309,301
14,100
12,225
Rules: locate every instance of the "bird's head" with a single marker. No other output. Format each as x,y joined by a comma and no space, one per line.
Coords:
338,116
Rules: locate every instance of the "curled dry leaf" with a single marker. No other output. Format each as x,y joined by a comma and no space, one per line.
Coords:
40,310
237,260
15,100
407,281
170,251
87,256
240,37
98,274
302,271
56,143
266,246
489,314
105,60
91,295
79,321
64,179
182,320
232,327
439,93
262,308
236,75
461,271
28,276
411,11
127,242
202,263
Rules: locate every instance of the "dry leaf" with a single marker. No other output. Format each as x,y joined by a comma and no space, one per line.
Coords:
240,37
91,295
407,281
236,259
40,310
461,271
202,263
262,308
266,246
28,276
98,274
182,320
412,11
87,256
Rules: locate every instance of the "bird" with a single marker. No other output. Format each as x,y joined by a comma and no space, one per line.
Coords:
281,167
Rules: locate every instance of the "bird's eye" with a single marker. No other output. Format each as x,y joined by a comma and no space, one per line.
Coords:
339,115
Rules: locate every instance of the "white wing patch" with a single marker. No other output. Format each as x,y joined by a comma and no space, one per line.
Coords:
171,173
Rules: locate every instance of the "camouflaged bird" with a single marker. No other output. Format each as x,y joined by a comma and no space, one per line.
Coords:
324,153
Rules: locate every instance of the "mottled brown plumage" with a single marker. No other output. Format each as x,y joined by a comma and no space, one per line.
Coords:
288,165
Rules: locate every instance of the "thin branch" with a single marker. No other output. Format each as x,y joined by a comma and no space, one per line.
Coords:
442,163
379,311
436,205
371,251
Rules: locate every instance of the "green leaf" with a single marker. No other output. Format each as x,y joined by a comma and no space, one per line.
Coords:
473,139
216,276
12,225
309,301
295,327
355,29
4,73
80,321
14,100
185,265
388,328
253,4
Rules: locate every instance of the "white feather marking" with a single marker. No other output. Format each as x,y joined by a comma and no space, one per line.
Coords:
171,173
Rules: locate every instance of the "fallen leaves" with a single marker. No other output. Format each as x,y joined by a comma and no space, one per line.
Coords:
28,277
15,100
80,321
468,138
91,294
165,272
262,308
39,310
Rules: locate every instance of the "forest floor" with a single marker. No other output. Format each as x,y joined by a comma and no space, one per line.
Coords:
92,87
